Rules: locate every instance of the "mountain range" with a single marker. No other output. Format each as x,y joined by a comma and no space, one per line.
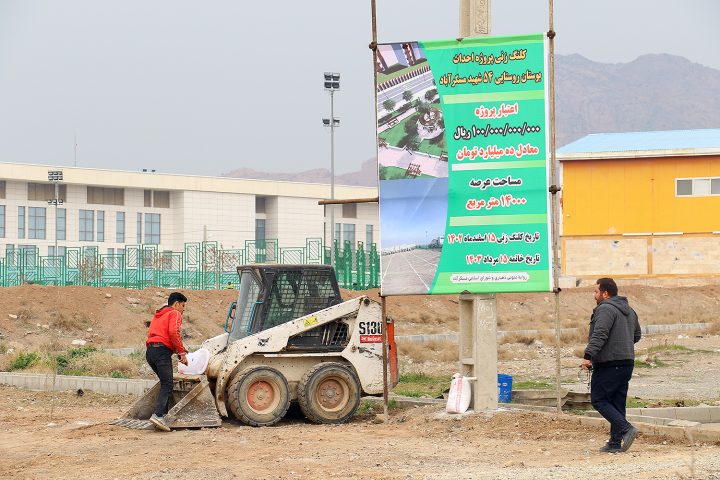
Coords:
653,92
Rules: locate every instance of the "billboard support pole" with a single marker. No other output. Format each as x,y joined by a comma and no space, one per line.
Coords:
373,47
385,357
554,190
477,347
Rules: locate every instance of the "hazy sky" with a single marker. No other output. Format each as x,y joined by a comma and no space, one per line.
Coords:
204,87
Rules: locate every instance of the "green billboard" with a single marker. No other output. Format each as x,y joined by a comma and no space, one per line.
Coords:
464,166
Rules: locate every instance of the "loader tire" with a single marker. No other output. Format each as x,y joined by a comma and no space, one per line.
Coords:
329,393
259,396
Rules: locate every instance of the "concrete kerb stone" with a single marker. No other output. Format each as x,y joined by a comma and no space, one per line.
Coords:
44,382
453,337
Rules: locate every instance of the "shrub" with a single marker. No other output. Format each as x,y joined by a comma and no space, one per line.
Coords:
24,360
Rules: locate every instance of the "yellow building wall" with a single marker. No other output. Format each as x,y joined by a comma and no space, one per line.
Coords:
615,197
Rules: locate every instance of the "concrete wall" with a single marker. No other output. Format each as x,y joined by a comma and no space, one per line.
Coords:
43,382
612,256
642,257
686,255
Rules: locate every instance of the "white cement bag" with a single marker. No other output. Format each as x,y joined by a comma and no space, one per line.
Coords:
459,397
197,362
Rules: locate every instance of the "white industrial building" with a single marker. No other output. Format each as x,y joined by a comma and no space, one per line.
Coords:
111,209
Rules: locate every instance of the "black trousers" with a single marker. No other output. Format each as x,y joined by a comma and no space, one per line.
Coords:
160,360
608,394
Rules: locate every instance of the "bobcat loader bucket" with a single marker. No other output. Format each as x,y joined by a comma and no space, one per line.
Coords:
191,405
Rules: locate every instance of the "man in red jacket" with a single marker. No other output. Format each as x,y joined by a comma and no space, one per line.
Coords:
164,340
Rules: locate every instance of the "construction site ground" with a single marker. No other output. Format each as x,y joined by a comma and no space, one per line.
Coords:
70,439
63,435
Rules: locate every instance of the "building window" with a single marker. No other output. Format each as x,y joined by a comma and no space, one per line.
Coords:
100,225
36,223
161,199
349,210
21,222
87,218
60,251
46,191
120,227
138,228
61,224
259,229
152,228
157,198
349,234
105,196
337,235
368,237
2,188
2,221
697,187
260,205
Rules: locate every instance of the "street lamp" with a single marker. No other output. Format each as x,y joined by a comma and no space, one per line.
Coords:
331,83
55,176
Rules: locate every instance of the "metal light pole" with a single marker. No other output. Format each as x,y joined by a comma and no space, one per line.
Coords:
55,176
332,83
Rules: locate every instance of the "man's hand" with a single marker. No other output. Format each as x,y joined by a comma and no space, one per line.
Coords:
586,364
183,359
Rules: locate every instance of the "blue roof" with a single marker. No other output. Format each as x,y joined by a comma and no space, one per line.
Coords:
634,141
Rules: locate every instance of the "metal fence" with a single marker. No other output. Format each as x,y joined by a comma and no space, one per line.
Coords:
200,266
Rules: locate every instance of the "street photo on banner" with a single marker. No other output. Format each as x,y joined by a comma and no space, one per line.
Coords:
463,166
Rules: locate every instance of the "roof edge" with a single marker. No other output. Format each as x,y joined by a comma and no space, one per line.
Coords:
680,152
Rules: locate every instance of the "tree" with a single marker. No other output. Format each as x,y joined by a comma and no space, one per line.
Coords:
389,105
430,94
423,108
408,96
413,144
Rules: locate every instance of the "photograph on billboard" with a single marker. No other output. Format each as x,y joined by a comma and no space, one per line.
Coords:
463,166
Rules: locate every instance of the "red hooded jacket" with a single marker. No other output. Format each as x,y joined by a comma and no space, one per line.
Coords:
165,328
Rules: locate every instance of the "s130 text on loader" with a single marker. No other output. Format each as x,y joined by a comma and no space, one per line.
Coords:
288,337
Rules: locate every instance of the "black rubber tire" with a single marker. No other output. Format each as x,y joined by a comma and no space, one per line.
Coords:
329,393
258,381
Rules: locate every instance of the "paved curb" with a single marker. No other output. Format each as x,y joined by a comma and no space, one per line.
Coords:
44,382
454,337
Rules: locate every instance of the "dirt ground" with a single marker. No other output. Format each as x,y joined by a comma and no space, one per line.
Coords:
69,437
418,443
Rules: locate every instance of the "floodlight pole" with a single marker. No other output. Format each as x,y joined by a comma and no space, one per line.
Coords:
332,177
332,83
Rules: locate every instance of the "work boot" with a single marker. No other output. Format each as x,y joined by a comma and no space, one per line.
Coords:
610,448
159,423
628,438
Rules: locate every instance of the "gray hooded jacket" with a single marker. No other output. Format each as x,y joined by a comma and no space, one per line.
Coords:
614,331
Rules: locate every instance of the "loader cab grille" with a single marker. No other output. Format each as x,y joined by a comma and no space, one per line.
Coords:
287,292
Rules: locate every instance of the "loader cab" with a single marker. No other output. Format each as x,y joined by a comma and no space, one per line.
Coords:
272,294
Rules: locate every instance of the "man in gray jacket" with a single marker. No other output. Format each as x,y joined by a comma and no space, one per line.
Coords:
614,331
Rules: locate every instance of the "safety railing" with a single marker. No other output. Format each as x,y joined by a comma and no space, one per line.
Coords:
200,266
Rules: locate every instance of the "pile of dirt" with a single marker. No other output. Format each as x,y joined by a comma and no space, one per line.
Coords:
33,315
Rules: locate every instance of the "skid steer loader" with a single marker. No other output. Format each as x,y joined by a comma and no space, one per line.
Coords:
288,337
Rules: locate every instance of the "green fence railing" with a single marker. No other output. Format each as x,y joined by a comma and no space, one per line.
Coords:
200,266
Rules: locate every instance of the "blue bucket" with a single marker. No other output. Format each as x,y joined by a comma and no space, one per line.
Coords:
504,388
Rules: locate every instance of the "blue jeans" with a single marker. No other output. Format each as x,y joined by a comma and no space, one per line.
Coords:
160,360
608,394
